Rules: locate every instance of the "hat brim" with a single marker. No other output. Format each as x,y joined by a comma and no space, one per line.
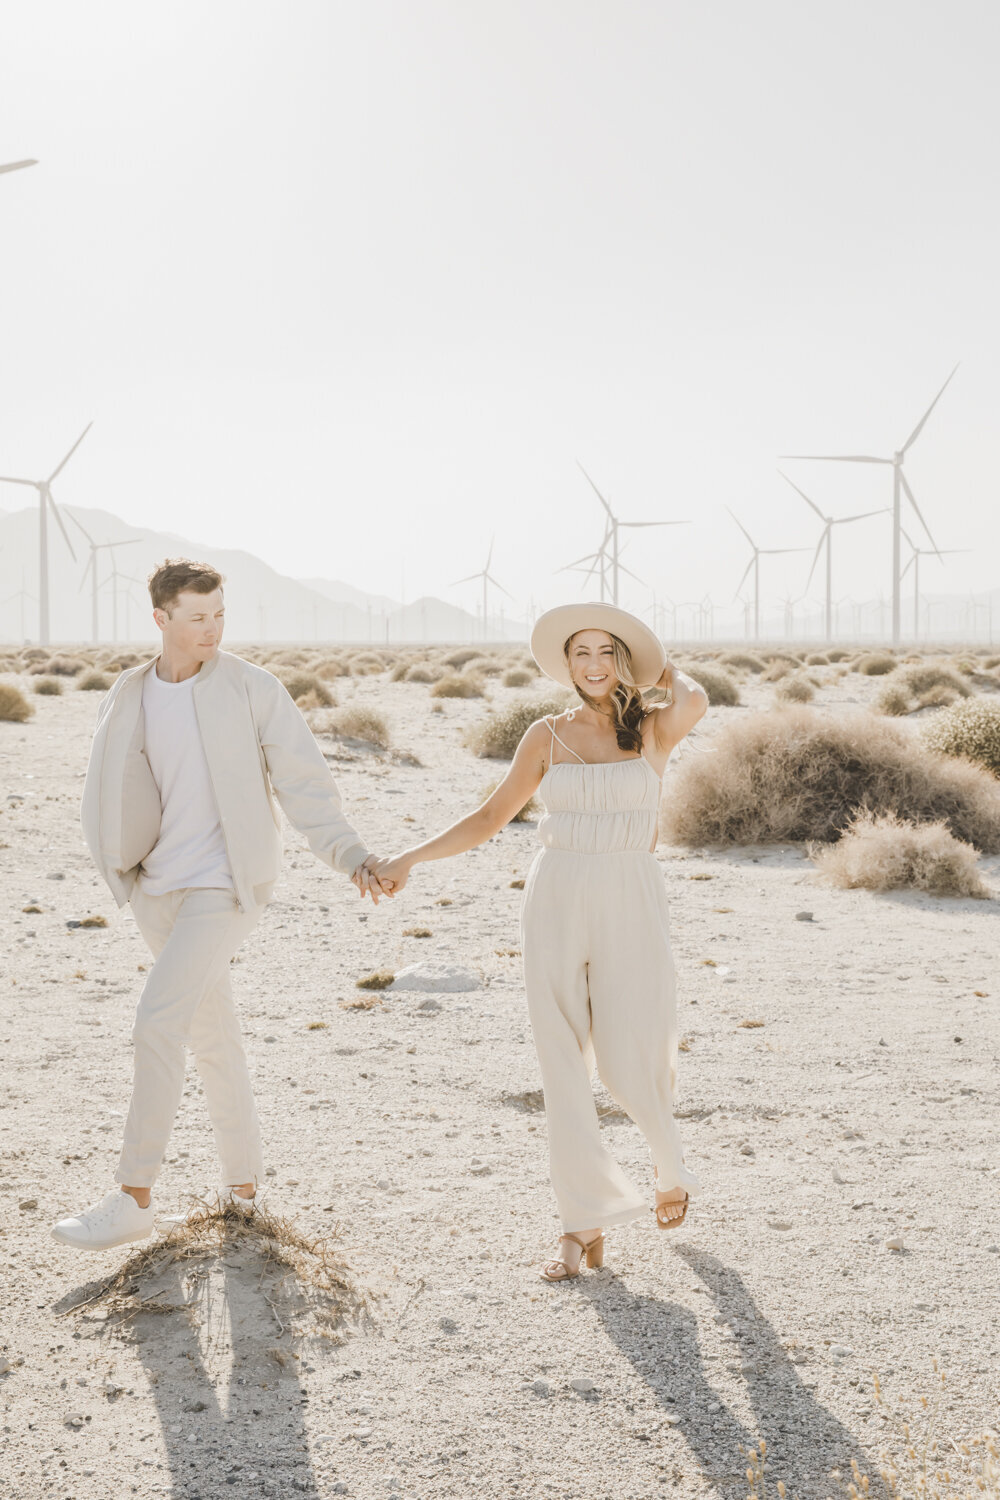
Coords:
555,626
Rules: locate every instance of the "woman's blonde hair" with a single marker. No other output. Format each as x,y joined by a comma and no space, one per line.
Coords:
628,708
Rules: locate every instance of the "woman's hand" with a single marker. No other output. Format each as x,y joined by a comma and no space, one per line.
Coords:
368,882
666,681
394,872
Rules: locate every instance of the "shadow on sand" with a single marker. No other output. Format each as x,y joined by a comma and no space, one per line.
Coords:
804,1440
214,1322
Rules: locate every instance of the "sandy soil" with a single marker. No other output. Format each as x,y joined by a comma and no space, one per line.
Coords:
864,1108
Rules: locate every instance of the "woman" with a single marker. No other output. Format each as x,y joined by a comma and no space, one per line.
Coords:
598,969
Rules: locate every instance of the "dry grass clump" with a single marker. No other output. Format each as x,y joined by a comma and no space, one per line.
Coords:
303,1278
423,671
818,659
308,690
777,669
461,657
378,979
48,686
837,653
969,729
741,661
61,666
485,666
14,706
329,667
518,677
498,735
93,682
875,664
720,687
794,774
887,853
795,689
527,814
367,664
458,685
356,721
921,685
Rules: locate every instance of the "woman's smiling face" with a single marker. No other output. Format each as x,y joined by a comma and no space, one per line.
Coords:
592,663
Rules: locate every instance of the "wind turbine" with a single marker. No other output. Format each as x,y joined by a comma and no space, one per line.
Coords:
45,500
20,595
826,538
899,485
91,568
15,166
487,578
613,525
916,554
754,563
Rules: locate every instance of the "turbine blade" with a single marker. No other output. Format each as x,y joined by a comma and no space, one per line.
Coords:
909,565
6,479
804,496
491,579
819,547
743,580
919,427
90,564
69,455
80,526
62,524
743,529
469,579
838,458
489,555
840,520
622,569
15,166
596,491
913,501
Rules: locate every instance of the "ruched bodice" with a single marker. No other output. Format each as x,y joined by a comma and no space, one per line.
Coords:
599,808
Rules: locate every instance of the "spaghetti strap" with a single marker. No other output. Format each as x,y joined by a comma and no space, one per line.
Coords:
552,730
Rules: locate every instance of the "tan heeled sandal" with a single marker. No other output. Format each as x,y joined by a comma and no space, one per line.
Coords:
673,1220
593,1254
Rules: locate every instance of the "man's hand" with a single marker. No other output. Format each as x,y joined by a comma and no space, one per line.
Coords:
368,882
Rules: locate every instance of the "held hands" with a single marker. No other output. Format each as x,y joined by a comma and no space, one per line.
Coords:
368,882
392,873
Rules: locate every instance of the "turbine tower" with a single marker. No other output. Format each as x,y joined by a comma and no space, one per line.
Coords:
916,554
613,525
754,563
487,578
45,500
91,568
899,486
826,538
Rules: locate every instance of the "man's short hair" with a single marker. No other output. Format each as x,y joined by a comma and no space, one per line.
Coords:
179,575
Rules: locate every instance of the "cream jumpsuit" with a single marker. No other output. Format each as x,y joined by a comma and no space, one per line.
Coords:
599,978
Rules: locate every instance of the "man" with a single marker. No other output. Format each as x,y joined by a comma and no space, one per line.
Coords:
179,816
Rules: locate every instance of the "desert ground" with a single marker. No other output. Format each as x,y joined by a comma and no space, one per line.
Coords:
846,1142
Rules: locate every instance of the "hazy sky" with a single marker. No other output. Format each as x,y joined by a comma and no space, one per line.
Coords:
353,286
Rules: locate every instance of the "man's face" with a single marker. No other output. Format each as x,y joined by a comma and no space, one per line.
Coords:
193,628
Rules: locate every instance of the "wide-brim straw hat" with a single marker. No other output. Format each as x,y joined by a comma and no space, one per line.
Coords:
555,626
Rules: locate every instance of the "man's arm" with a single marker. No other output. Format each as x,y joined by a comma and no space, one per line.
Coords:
302,780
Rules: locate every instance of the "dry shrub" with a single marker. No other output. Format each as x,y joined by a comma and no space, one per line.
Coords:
720,687
356,721
331,666
34,653
817,659
921,685
118,661
875,664
458,685
777,669
437,708
293,657
528,812
427,671
968,729
302,1278
93,682
518,677
14,706
460,657
886,853
795,774
367,664
498,735
893,700
741,661
485,666
837,653
48,686
308,690
795,689
64,666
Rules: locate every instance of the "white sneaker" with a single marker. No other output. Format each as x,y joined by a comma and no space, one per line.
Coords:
226,1199
116,1220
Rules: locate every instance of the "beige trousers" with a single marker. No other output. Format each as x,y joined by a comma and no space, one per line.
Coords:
599,980
187,1002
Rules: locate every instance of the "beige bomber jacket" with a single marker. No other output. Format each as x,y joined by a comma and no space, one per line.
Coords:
258,747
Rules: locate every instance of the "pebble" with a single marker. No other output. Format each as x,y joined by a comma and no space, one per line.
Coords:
5,1365
27,1203
583,1385
270,1039
340,1488
895,1243
803,916
779,1224
843,1181
56,875
541,1388
746,1149
485,1170
447,1325
77,1419
362,1434
840,1351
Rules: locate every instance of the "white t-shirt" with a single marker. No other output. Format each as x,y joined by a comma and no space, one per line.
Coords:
190,850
